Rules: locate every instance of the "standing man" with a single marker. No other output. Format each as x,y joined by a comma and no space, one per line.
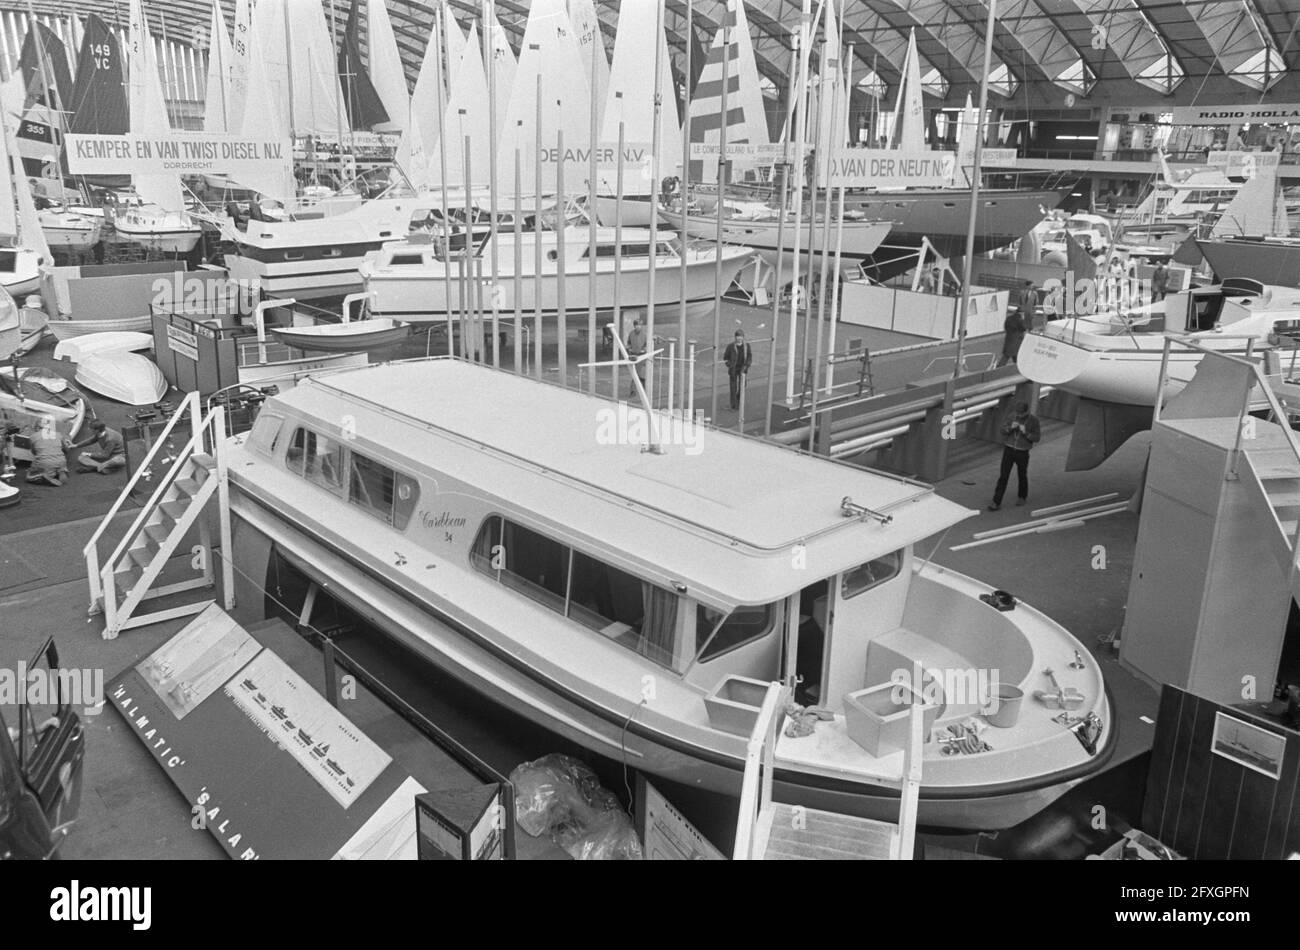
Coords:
636,345
111,454
738,356
1028,303
1160,282
1020,431
1014,328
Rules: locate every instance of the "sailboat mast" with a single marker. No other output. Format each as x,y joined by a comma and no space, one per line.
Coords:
288,74
655,136
338,102
801,131
683,186
489,39
975,189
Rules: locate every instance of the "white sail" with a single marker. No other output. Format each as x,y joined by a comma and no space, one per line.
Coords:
299,59
746,111
833,130
468,118
1257,208
631,100
550,53
264,121
216,104
411,156
428,95
385,65
966,129
237,86
592,44
455,44
12,94
148,110
505,64
909,117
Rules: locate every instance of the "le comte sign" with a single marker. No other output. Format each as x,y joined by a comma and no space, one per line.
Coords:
890,168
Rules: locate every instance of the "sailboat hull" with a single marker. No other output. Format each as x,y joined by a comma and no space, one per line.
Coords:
859,241
421,293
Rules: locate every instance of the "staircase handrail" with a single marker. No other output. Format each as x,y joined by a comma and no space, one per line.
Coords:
90,551
756,788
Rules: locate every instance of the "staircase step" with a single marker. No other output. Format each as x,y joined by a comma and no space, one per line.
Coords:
1284,499
1288,528
189,486
818,834
157,532
142,556
175,510
204,461
126,578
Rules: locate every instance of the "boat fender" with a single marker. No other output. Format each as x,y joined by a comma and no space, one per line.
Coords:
1000,600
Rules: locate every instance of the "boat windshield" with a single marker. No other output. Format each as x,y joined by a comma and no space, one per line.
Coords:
386,181
719,633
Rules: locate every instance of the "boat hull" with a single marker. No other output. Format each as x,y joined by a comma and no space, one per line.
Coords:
123,376
859,241
309,338
424,629
416,294
302,279
68,329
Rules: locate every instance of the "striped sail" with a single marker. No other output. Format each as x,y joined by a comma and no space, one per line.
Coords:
745,119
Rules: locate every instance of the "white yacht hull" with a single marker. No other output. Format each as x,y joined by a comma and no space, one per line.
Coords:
860,239
168,240
416,294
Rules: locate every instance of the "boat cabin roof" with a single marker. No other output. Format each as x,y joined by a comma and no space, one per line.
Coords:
746,520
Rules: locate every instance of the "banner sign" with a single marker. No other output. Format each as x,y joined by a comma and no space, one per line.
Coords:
998,157
1233,114
755,151
890,168
635,155
1242,164
181,153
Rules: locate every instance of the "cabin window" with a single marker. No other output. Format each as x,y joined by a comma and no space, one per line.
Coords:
293,458
387,494
639,615
266,433
721,633
522,559
292,255
401,259
635,613
320,460
871,574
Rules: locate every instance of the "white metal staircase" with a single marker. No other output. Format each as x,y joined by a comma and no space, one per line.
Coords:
195,476
768,830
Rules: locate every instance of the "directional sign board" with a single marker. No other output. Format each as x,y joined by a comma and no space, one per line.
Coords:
890,168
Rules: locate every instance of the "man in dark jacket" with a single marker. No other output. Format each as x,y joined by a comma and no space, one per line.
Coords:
1014,327
738,356
1020,430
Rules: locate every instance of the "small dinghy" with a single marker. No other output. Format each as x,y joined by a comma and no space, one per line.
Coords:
357,336
77,349
38,393
124,376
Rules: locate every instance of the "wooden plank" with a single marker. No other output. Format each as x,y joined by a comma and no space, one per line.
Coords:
1283,835
1155,803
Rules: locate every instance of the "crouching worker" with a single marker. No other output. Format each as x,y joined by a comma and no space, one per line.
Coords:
49,465
111,454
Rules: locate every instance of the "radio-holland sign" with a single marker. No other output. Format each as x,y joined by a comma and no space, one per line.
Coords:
889,168
183,153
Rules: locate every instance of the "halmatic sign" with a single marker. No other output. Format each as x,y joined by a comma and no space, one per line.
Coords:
890,168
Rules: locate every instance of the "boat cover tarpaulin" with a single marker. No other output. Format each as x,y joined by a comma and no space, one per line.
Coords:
244,737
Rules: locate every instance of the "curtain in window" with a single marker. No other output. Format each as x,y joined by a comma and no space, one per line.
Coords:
659,629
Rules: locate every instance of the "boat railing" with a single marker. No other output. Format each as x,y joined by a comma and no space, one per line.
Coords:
760,767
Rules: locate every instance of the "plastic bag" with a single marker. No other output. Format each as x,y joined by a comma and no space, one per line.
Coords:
559,795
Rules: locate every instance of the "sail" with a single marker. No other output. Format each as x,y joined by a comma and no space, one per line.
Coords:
45,68
361,101
148,110
550,54
12,91
429,99
455,45
631,103
833,130
505,64
1257,208
77,34
216,104
591,42
411,156
237,84
265,122
746,119
386,70
301,74
909,117
30,234
967,127
98,102
468,118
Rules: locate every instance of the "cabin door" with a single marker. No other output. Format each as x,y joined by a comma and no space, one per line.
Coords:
812,621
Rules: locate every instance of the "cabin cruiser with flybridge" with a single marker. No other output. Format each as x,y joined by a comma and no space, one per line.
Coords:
416,280
317,251
1116,357
547,559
